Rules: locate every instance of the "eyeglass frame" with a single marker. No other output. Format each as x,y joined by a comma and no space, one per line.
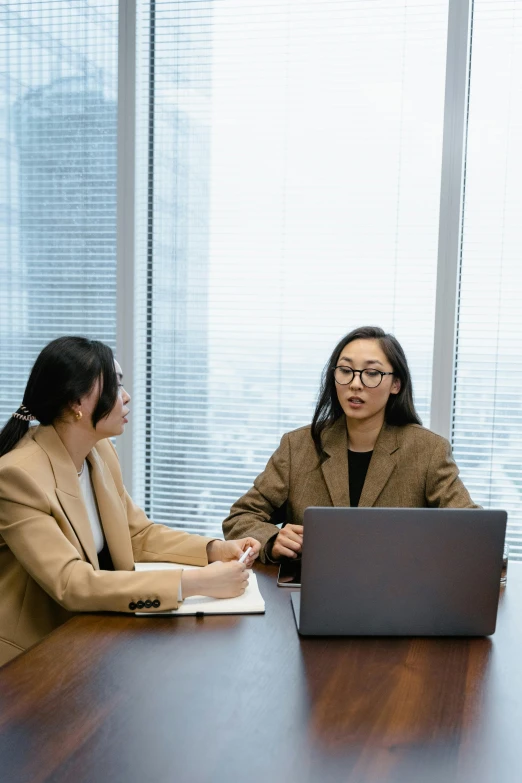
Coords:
373,369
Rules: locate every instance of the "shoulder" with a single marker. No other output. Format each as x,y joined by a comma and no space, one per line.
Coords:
420,439
26,475
301,433
299,438
293,442
416,432
27,455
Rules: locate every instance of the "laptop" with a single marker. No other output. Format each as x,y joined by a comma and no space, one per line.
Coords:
400,572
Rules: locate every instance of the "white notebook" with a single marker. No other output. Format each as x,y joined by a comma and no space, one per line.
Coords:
251,602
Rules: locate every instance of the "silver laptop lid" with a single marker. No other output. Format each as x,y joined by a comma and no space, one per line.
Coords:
398,571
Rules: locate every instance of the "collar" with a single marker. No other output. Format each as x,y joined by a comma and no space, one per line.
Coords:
335,466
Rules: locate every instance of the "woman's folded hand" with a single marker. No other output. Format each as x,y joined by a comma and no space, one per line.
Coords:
217,580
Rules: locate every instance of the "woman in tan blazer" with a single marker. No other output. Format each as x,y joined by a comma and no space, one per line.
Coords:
365,447
69,532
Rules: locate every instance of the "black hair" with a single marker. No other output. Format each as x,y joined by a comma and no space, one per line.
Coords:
400,408
65,371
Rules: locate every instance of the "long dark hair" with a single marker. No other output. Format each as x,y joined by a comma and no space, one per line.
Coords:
400,408
65,371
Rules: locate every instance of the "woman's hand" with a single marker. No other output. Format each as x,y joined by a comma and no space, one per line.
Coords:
218,580
289,542
232,550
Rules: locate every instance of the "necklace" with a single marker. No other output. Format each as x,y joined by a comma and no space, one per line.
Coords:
81,471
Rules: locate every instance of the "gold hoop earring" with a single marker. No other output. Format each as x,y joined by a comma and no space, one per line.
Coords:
78,415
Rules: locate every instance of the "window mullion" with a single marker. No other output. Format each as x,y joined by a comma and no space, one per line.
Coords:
458,57
126,214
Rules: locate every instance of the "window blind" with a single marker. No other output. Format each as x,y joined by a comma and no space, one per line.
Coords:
487,426
58,89
288,170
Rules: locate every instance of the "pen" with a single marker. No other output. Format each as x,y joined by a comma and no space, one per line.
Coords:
245,555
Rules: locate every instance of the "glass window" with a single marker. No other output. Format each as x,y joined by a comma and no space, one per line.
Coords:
289,161
58,91
487,425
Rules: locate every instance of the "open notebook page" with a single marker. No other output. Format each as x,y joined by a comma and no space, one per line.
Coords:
251,602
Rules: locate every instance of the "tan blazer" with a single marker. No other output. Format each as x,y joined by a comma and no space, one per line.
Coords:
48,562
411,467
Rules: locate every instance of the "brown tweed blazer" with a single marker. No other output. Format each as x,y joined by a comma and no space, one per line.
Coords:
411,467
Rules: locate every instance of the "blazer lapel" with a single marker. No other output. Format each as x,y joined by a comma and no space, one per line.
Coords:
76,513
68,489
112,514
381,465
335,466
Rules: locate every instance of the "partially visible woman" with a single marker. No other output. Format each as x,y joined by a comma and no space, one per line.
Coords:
69,532
365,447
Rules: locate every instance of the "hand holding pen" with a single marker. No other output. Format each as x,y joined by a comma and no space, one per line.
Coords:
244,550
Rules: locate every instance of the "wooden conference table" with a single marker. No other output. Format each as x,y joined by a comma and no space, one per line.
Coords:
125,699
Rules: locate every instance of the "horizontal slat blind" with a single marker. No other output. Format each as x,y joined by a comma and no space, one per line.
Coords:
58,88
487,428
289,160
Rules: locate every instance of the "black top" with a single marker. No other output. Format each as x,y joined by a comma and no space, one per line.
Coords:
358,464
105,559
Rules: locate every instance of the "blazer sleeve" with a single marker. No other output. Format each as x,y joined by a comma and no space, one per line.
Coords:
444,488
36,540
255,512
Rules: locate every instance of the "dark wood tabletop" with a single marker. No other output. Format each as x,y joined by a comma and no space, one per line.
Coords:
243,698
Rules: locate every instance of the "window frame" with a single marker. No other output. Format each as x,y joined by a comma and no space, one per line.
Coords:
455,125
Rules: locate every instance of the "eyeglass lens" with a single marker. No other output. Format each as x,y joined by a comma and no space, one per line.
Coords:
370,378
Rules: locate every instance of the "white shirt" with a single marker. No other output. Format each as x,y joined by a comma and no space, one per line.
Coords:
89,499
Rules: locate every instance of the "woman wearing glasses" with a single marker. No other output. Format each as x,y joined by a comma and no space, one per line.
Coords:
69,532
365,447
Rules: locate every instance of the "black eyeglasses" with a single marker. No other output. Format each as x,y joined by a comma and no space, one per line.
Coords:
370,378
